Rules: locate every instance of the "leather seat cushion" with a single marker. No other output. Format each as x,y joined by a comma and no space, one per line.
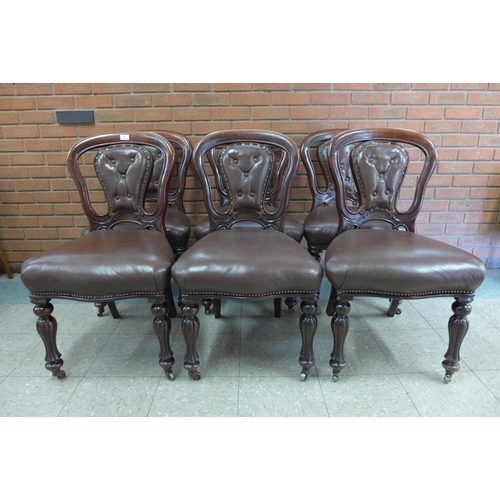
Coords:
400,263
247,263
321,225
177,228
293,228
102,264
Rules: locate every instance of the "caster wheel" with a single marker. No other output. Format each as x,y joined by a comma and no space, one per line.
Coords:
398,311
303,376
170,375
60,374
195,376
100,315
447,378
335,377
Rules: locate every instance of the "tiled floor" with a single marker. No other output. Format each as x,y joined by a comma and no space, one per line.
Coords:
249,361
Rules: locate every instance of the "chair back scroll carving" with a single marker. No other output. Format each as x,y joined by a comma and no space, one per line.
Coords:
248,177
380,162
324,195
124,165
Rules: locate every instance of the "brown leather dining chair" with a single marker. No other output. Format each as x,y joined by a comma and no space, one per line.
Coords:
246,255
292,227
108,264
397,263
177,223
322,222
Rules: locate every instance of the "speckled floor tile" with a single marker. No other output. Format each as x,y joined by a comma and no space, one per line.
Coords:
111,397
35,396
14,349
281,397
464,396
367,396
207,397
491,379
362,355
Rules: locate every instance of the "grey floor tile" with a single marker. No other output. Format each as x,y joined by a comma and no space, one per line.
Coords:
480,348
491,379
35,396
486,309
207,397
14,349
271,358
413,351
281,397
464,396
362,354
367,396
111,397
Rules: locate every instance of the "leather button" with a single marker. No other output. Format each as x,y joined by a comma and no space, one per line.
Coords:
129,195
246,174
117,197
240,193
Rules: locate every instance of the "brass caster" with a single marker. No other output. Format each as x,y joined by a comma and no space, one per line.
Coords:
100,314
207,310
398,311
303,376
170,375
447,378
60,374
335,377
195,375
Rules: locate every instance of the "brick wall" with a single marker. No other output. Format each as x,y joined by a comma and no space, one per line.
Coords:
39,205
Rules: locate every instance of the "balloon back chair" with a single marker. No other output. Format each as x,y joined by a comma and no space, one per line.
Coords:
177,223
398,263
321,224
246,254
108,264
291,226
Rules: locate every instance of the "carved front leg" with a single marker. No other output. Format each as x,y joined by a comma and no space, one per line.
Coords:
457,329
308,324
100,308
190,327
340,328
46,326
162,326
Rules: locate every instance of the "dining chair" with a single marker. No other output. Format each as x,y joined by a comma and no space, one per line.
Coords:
247,254
125,253
398,263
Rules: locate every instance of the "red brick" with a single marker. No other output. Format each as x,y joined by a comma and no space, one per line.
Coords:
448,98
272,86
475,241
7,89
24,245
14,172
32,185
58,131
451,193
94,101
484,98
430,86
470,180
480,217
41,234
9,118
366,124
450,167
425,113
459,140
490,205
26,159
37,116
258,125
231,87
43,172
110,88
466,205
417,126
489,229
10,209
22,221
72,88
151,87
251,99
10,103
348,112
450,240
9,146
485,193
291,127
446,218
238,113
167,100
352,86
489,141
491,114
18,198
270,113
21,132
475,154
194,114
33,88
440,181
370,98
387,112
54,102
494,180
312,86
204,128
487,168
181,128
442,127
330,98
43,145
291,98
212,99
478,127
114,115
191,87
132,101
52,197
411,98
431,229
469,86
462,113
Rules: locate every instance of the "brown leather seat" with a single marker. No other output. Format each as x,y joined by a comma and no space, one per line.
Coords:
246,255
109,264
396,264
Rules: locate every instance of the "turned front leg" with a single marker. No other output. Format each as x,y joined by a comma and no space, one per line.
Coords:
162,326
46,326
340,328
308,324
190,327
458,326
